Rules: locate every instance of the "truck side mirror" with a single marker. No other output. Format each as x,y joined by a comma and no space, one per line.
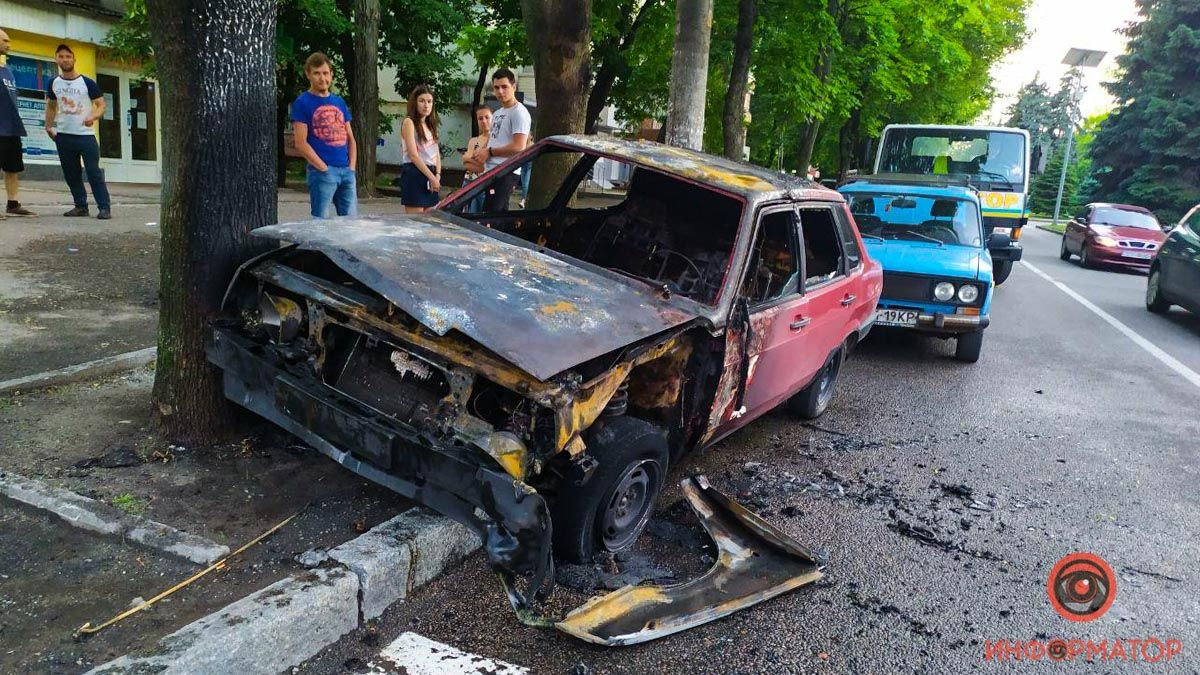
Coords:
999,240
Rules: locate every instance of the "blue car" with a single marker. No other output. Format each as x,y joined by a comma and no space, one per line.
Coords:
937,273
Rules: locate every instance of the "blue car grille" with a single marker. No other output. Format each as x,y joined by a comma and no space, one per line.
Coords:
898,286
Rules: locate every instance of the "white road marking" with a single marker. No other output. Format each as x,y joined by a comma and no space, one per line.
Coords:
415,654
1153,349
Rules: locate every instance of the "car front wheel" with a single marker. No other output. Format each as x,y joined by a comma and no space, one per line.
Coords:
968,346
1063,252
1155,302
1085,260
610,510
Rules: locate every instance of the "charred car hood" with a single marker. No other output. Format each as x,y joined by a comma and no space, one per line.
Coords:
540,312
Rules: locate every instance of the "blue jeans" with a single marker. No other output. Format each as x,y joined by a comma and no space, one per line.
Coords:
73,150
335,186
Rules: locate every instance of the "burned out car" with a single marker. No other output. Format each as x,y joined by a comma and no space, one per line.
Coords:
533,372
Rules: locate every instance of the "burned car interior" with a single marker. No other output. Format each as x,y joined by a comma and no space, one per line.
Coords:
532,373
664,230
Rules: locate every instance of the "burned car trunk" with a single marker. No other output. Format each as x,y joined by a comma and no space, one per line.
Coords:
530,373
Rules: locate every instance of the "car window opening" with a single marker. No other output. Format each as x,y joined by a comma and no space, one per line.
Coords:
822,248
773,271
626,218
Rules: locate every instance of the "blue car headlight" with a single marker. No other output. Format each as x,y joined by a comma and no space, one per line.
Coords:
944,292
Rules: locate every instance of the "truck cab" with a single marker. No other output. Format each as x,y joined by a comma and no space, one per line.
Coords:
937,268
994,160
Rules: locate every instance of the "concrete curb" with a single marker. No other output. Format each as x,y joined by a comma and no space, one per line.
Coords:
290,621
267,632
89,514
81,371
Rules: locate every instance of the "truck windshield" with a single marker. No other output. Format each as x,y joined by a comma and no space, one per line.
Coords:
996,158
917,218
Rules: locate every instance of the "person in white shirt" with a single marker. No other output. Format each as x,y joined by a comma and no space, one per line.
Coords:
73,104
511,125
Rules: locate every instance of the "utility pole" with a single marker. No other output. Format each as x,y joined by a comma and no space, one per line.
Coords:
1076,58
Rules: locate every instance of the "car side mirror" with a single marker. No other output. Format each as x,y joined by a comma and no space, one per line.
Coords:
999,240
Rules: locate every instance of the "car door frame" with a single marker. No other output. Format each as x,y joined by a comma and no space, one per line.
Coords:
744,335
838,305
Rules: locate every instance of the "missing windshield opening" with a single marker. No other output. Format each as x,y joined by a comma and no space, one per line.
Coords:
626,218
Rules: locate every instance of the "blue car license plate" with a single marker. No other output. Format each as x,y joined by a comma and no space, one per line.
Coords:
896,317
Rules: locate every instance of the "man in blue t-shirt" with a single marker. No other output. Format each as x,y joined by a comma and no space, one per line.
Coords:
12,163
73,104
321,130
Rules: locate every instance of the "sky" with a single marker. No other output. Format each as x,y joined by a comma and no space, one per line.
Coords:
1056,26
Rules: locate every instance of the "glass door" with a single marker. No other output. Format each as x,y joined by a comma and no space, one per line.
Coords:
129,133
110,125
143,120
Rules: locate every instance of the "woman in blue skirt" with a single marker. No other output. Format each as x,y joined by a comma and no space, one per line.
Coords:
421,170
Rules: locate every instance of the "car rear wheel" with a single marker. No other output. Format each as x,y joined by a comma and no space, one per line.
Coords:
812,401
1063,252
1155,302
1000,271
968,347
610,510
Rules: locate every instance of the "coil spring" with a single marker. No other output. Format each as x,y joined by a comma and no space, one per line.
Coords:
619,403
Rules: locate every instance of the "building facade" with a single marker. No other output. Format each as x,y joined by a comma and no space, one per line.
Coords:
129,133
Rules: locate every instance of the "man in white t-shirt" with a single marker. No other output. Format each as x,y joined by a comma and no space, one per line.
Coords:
510,134
73,104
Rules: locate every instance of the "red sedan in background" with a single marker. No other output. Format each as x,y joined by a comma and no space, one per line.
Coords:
1113,234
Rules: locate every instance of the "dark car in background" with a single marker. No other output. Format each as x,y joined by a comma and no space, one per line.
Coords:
1112,234
1175,271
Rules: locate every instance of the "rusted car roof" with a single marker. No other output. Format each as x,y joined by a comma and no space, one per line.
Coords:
731,176
539,312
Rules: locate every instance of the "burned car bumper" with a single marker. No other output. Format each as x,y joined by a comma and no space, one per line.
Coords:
515,526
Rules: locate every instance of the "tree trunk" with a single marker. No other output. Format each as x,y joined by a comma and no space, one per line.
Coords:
477,96
689,73
612,66
812,126
364,92
283,98
218,164
847,138
560,41
733,118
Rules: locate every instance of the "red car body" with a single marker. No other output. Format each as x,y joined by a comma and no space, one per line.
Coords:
1113,234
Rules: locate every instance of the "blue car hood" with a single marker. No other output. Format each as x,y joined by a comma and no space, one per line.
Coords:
918,257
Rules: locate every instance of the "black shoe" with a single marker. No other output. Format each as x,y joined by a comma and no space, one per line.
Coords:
15,209
104,214
77,211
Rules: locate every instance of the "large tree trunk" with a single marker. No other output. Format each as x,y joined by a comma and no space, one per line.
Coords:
615,63
364,92
689,73
477,96
284,95
218,170
733,117
560,40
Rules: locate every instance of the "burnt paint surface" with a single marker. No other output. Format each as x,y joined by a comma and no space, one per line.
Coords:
541,313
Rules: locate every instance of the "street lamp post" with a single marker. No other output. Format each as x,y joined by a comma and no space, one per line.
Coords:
1076,58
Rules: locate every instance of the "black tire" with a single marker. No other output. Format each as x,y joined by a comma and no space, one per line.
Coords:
968,346
1000,271
1155,302
812,401
1063,252
1085,261
632,456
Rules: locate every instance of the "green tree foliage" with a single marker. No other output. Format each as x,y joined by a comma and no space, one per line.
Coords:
1148,150
1046,116
1078,187
890,61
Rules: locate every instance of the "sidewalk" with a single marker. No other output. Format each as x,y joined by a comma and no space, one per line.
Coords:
78,289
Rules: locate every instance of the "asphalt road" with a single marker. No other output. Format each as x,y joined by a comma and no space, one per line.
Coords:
943,494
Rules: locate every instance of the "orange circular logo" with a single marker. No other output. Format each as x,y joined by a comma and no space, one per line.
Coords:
1082,587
